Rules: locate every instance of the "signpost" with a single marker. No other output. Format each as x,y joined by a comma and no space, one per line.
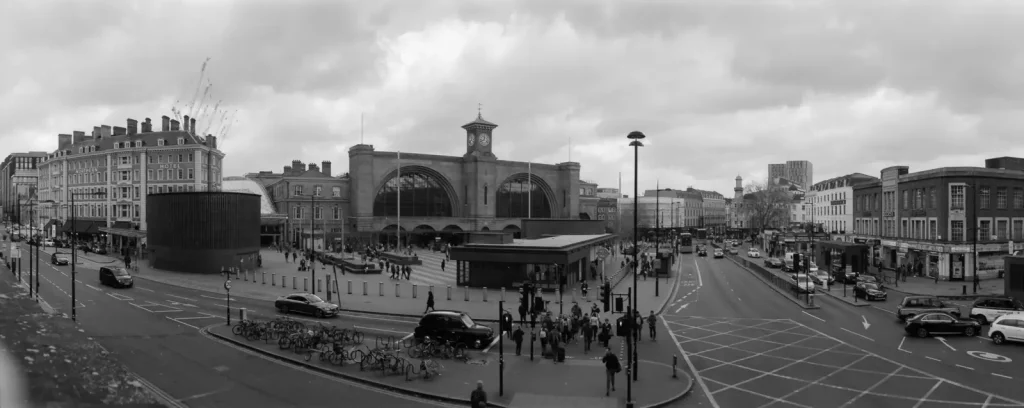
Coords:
227,289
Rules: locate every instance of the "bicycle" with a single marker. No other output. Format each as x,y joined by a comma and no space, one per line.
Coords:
428,369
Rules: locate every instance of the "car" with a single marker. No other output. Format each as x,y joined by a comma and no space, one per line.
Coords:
869,291
59,259
787,266
734,251
914,305
453,326
812,267
99,250
929,323
987,309
1007,327
48,243
116,277
773,263
753,253
822,277
803,281
702,252
866,278
719,253
306,303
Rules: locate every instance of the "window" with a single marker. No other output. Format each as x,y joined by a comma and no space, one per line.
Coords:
298,190
318,213
135,175
335,191
317,190
149,189
181,174
181,158
337,213
191,174
1018,230
298,213
125,160
956,197
138,143
1001,198
933,229
906,199
931,198
1018,198
159,158
160,142
1001,230
125,176
956,230
984,230
149,174
904,232
983,198
136,211
181,141
160,174
189,158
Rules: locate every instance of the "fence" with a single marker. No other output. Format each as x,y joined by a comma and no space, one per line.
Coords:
785,284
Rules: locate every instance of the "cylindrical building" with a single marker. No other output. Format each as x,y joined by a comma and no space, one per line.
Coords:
203,232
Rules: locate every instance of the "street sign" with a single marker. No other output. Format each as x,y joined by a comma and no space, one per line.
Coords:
227,285
15,251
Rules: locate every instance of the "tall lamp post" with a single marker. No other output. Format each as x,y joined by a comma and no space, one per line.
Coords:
312,247
74,247
31,206
636,143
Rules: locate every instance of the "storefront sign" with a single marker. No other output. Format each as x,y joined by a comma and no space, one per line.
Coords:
960,249
889,214
888,243
860,240
926,247
918,213
169,166
838,202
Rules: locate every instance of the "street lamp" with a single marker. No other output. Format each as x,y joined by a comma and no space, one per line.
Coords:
636,143
32,205
74,246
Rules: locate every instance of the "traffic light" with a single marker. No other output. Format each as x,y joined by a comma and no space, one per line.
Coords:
606,294
619,304
622,326
796,263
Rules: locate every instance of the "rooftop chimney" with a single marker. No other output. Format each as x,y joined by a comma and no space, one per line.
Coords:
326,168
287,170
133,127
185,123
211,141
192,126
104,131
147,126
77,136
63,141
165,123
314,167
298,167
95,131
175,125
119,131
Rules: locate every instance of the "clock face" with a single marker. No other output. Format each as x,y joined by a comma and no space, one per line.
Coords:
471,140
484,139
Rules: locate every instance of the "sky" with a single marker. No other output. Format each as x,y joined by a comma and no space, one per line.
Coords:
720,87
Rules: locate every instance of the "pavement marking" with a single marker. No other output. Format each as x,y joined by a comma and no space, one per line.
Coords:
993,357
93,287
197,317
61,272
380,330
783,400
492,343
1003,376
147,290
900,347
119,296
943,340
215,297
816,317
181,322
686,359
884,310
928,394
767,373
153,305
682,307
966,367
182,297
700,280
857,334
869,389
932,358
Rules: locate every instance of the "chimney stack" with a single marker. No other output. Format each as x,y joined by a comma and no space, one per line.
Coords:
211,141
120,131
165,123
175,125
287,170
133,127
192,126
326,168
298,167
63,141
95,132
185,123
147,126
104,131
77,136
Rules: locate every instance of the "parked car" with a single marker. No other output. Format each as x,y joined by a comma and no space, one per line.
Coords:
869,291
1007,327
929,323
988,309
48,243
867,278
753,253
116,277
99,250
773,262
306,303
914,305
59,259
454,326
812,267
719,253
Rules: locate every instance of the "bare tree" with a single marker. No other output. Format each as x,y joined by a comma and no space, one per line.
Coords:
766,204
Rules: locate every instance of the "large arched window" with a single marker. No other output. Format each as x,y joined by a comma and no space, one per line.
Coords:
423,195
514,198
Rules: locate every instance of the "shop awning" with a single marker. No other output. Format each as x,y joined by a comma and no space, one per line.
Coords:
129,232
81,226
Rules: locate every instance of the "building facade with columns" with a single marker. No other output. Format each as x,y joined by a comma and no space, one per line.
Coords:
111,170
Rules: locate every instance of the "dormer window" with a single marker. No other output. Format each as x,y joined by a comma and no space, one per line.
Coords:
181,140
160,142
81,150
138,143
117,145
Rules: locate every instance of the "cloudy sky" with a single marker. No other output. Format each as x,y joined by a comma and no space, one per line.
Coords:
720,87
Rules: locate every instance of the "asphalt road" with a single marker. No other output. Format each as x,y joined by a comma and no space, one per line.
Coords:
751,347
153,329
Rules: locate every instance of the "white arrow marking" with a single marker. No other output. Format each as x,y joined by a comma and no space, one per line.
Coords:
682,307
943,340
866,324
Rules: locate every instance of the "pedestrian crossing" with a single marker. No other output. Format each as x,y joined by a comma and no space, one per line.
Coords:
430,273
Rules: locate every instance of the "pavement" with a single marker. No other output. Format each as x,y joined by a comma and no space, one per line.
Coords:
153,330
749,347
961,290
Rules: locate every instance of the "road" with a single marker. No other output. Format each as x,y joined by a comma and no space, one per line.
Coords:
153,329
751,347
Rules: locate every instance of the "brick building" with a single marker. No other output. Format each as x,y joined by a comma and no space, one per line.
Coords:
930,219
313,200
19,174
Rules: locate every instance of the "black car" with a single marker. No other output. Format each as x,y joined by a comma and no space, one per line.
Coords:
787,266
453,326
773,262
306,303
869,291
702,252
59,259
926,324
116,277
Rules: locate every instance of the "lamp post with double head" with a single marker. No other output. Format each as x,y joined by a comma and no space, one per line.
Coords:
74,247
635,137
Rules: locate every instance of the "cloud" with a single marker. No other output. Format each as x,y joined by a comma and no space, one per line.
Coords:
721,88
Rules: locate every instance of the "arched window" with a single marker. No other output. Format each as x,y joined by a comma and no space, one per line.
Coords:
514,199
423,195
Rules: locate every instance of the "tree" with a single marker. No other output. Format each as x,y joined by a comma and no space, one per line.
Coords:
766,204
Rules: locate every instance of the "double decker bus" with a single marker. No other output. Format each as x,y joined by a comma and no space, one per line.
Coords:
702,233
685,243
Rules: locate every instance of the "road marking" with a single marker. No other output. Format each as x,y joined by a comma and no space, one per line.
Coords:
181,322
147,290
943,340
925,397
932,358
197,317
857,334
215,297
380,330
682,307
900,347
816,317
182,297
700,280
686,358
963,366
492,343
93,287
996,358
120,297
407,336
1003,376
884,310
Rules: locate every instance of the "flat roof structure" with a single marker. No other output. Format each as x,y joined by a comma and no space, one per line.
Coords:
506,264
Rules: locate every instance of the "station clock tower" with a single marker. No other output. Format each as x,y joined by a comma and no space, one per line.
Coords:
479,135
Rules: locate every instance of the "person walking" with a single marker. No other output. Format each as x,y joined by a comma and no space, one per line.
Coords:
522,313
652,325
611,367
127,262
517,336
588,335
543,341
442,265
286,254
478,398
430,302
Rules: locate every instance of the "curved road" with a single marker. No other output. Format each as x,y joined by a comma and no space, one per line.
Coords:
153,329
751,347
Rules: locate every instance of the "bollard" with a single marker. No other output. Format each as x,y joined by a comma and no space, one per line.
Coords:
964,291
398,289
264,278
366,290
319,285
675,360
380,288
449,292
295,282
242,315
305,284
273,279
810,299
414,290
350,287
284,281
466,293
485,293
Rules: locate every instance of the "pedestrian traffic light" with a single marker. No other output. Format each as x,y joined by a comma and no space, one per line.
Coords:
619,304
796,263
606,294
622,325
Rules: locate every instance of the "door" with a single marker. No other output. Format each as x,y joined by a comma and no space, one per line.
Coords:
940,323
1014,329
298,304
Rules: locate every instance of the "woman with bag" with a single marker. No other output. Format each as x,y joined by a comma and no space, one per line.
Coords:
543,341
612,367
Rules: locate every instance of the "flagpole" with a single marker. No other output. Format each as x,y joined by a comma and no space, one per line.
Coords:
529,191
398,230
362,126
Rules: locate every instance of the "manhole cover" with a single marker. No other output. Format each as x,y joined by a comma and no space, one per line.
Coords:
984,355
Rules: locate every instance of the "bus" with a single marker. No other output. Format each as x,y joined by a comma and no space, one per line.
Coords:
702,233
685,243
